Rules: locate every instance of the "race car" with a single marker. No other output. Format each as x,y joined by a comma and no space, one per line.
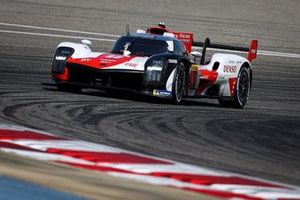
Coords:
157,62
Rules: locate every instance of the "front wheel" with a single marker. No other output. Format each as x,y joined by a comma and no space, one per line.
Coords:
179,82
242,90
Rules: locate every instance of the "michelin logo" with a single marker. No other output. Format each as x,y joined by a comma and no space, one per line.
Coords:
164,93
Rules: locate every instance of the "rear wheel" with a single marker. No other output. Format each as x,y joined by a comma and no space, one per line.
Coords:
179,82
242,91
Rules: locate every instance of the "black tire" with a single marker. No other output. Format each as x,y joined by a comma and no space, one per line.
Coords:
242,90
179,83
69,88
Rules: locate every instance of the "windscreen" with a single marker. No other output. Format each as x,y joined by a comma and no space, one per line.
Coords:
140,46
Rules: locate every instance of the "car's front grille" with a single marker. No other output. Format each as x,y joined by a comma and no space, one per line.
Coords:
126,80
79,74
106,78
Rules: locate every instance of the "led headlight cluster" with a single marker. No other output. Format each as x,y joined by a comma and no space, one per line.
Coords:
154,71
60,58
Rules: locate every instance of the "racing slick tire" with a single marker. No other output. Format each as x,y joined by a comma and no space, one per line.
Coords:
242,90
179,83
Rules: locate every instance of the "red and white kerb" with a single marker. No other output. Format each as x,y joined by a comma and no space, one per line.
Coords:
140,167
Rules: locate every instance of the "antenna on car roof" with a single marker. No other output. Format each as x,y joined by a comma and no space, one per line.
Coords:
127,30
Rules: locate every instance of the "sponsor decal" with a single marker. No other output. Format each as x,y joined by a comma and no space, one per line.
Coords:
193,78
60,58
131,64
194,68
229,69
154,68
161,93
186,38
85,60
107,60
114,56
172,61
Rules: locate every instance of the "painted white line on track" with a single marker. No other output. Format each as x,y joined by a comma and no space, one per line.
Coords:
278,54
57,29
56,35
259,52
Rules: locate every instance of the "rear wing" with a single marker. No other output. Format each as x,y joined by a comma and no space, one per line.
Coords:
187,39
252,49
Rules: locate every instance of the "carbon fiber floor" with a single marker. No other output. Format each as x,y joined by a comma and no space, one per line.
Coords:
261,140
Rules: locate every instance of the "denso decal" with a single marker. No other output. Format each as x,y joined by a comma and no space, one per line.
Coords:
229,68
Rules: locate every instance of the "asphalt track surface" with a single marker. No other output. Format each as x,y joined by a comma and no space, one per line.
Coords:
262,140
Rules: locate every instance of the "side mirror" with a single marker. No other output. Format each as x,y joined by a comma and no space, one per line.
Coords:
86,42
196,54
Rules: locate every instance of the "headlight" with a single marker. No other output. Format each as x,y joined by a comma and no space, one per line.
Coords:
60,58
154,70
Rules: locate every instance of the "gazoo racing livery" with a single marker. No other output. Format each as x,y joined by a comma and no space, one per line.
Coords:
157,62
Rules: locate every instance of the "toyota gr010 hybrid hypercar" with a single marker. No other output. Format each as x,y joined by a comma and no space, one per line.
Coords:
157,62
